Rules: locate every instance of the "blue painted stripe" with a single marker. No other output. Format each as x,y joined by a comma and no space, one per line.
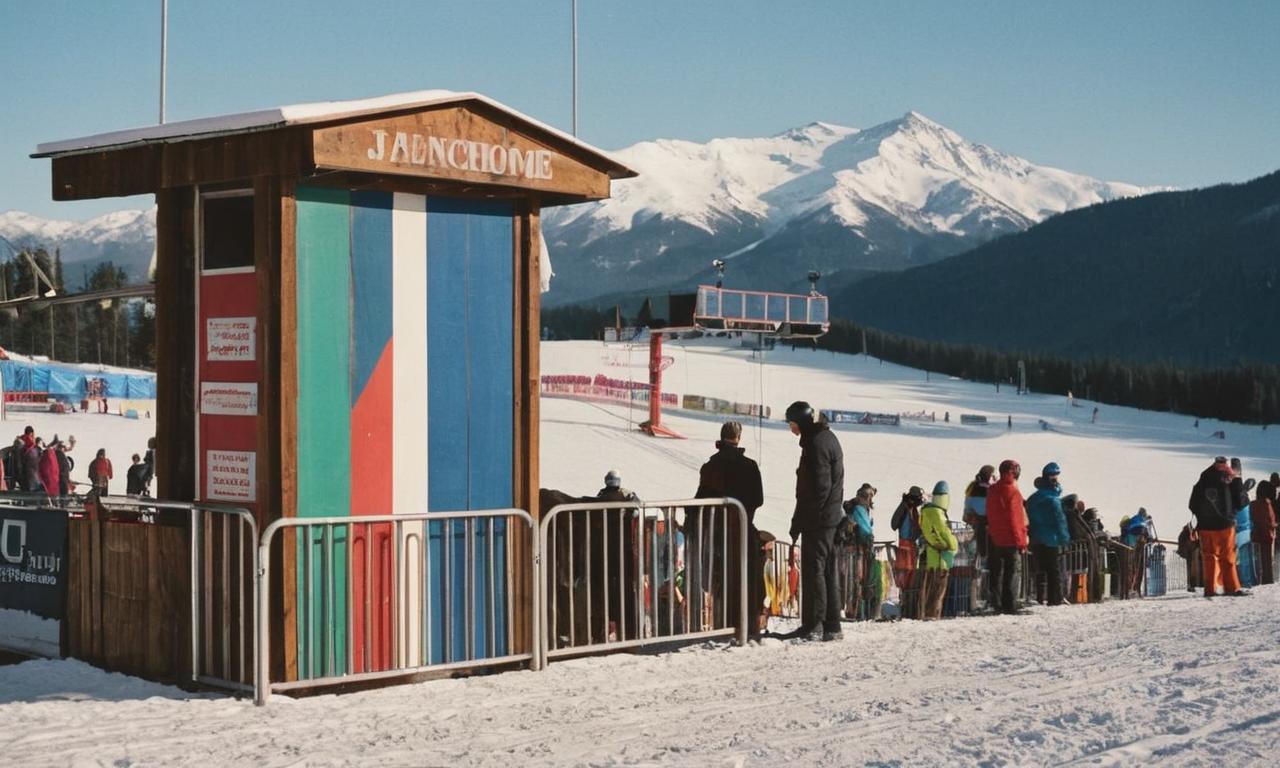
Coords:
490,337
371,276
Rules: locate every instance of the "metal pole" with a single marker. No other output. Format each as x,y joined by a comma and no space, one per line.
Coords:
164,53
575,68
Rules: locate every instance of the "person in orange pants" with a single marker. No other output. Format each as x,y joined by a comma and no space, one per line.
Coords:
1214,499
1218,553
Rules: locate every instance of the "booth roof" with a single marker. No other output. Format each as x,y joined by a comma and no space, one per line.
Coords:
301,114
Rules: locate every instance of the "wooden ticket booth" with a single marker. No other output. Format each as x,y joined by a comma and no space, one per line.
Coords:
347,324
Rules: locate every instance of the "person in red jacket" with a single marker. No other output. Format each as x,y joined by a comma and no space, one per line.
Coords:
1007,529
100,472
1263,515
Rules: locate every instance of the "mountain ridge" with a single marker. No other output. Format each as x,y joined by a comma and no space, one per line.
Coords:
902,192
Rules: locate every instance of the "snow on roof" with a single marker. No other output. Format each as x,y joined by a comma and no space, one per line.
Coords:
298,114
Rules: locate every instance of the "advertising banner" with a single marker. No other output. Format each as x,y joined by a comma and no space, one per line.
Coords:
33,548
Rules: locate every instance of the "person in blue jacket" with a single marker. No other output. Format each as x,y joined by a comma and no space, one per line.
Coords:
1048,531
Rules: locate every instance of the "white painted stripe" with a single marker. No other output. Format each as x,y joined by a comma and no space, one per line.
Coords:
409,407
409,375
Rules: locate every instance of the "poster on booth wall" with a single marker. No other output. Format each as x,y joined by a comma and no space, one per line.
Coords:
228,398
231,338
231,475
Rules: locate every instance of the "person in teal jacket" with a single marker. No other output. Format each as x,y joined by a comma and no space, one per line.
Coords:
940,549
1048,530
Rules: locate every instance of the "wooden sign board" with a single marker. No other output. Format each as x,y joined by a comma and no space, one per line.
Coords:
456,144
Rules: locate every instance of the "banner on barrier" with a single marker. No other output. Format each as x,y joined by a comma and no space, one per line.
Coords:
33,549
861,417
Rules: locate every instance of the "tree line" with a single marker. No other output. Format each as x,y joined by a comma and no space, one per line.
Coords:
1246,392
119,332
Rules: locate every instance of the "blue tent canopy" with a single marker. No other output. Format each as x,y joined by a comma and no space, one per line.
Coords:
68,382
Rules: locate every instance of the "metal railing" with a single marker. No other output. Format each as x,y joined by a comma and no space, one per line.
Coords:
629,574
383,596
224,560
782,575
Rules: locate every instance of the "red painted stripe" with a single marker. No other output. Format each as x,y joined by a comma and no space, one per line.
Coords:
372,417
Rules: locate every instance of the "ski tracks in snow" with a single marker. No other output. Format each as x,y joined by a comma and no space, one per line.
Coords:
1177,681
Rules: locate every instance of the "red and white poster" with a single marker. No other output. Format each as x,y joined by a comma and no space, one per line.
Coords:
231,338
228,408
231,475
228,398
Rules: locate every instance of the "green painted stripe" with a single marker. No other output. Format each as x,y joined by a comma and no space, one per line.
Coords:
324,420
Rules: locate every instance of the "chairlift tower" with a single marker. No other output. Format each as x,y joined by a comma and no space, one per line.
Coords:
715,308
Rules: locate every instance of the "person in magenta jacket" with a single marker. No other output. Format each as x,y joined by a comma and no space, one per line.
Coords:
50,475
1007,530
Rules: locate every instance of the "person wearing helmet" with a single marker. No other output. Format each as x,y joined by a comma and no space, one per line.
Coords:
618,537
940,549
613,490
818,512
1048,533
1007,529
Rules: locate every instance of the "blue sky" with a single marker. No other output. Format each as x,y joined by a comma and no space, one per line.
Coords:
1180,93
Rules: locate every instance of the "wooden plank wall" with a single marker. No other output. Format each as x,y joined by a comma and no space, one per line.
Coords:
128,590
526,302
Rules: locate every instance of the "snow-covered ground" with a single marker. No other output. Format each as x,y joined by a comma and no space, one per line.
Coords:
1175,681
1128,459
1172,681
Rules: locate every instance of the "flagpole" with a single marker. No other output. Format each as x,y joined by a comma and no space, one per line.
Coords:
164,52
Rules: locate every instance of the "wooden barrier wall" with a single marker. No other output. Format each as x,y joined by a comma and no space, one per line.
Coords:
128,597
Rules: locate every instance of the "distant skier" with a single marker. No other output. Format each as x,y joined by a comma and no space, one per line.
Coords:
1048,532
1215,497
1007,528
819,508
729,473
940,549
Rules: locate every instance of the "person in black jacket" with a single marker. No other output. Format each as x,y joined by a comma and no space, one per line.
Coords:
136,477
819,509
728,473
1214,500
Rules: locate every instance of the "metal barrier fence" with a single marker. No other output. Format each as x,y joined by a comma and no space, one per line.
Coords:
629,574
782,580
382,596
223,561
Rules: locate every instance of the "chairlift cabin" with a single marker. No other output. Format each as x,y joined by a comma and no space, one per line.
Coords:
715,309
347,324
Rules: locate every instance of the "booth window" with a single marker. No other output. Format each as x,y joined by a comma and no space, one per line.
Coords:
227,231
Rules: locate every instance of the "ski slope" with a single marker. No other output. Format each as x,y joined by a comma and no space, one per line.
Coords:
1128,459
1172,682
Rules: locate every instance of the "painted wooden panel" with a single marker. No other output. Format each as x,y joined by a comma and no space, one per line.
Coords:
324,422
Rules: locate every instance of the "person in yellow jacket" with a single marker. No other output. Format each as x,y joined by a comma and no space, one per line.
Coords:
940,549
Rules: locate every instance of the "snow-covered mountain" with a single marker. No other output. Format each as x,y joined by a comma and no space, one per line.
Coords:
126,238
826,197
